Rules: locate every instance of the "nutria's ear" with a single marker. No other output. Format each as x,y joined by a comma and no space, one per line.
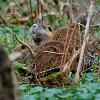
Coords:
50,29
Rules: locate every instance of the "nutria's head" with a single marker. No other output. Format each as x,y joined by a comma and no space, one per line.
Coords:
40,32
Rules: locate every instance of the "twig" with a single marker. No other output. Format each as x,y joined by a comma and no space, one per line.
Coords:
69,11
95,25
79,24
33,53
69,14
14,34
39,5
54,52
84,42
3,20
56,69
69,63
86,70
68,43
58,53
31,9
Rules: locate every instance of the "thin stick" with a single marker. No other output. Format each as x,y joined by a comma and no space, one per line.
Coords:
68,44
43,72
69,63
84,42
31,9
86,70
57,53
39,12
54,52
80,24
33,53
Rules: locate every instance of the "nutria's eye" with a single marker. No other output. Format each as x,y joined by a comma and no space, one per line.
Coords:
35,25
50,29
23,47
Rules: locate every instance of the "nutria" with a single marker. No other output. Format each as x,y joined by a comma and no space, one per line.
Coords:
46,60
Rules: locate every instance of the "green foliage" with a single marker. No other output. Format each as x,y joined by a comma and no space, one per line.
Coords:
90,91
7,39
88,77
20,66
55,76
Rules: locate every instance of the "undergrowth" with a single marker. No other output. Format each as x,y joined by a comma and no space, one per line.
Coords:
87,89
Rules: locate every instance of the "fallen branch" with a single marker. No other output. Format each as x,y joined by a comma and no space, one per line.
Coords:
49,71
26,45
84,41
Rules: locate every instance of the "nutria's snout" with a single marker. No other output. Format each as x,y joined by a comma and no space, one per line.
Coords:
37,41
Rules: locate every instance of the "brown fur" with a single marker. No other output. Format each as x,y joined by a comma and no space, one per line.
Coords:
46,60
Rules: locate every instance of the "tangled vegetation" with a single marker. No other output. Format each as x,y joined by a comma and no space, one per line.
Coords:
19,15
